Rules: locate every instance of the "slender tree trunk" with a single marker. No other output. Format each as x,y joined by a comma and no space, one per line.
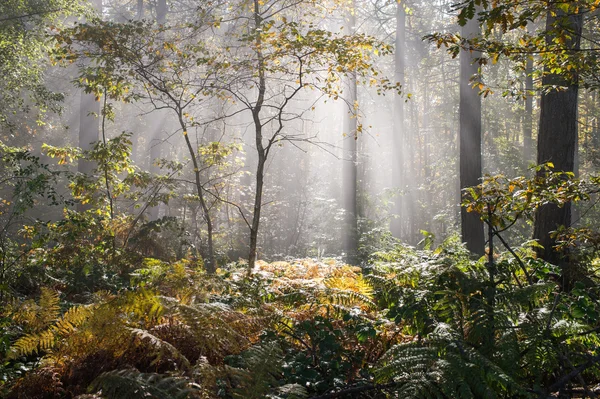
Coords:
89,128
140,10
470,142
557,142
89,124
349,166
528,118
209,261
398,139
156,140
260,149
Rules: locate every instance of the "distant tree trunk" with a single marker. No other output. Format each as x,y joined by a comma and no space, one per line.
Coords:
528,117
349,166
89,124
398,139
470,142
89,128
557,140
140,10
155,142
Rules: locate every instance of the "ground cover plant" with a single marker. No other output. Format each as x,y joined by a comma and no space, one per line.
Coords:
415,323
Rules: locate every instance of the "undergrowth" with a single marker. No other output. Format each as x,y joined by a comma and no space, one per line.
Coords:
416,323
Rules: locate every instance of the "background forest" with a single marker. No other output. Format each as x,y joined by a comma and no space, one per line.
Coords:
299,199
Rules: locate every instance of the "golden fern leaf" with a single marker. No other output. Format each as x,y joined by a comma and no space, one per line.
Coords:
144,304
354,283
72,318
41,341
32,343
49,307
347,298
38,315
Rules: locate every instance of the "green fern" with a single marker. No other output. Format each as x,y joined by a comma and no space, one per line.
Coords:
259,372
445,366
131,384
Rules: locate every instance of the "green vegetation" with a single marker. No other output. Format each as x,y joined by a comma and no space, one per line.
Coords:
86,313
181,249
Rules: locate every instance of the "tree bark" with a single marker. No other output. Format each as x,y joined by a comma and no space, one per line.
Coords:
557,139
155,141
470,141
260,149
140,10
209,261
89,124
528,117
398,139
349,166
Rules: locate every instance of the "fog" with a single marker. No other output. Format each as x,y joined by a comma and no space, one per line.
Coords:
342,170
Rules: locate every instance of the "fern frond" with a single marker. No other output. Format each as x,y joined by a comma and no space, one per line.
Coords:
131,384
49,306
443,367
293,298
347,298
259,370
32,343
38,315
72,318
356,284
380,283
144,304
163,349
527,296
216,327
291,391
45,340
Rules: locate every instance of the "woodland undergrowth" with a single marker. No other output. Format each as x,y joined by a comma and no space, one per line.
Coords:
101,304
414,323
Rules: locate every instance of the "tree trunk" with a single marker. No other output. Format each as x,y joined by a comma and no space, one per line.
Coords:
140,10
89,125
557,142
349,166
528,117
89,128
209,259
398,139
155,142
260,149
470,142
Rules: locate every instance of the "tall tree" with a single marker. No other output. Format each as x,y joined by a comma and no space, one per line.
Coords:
156,140
528,117
261,70
398,139
557,135
350,164
89,122
470,139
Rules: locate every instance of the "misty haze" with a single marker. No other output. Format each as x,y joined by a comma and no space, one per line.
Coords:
299,199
